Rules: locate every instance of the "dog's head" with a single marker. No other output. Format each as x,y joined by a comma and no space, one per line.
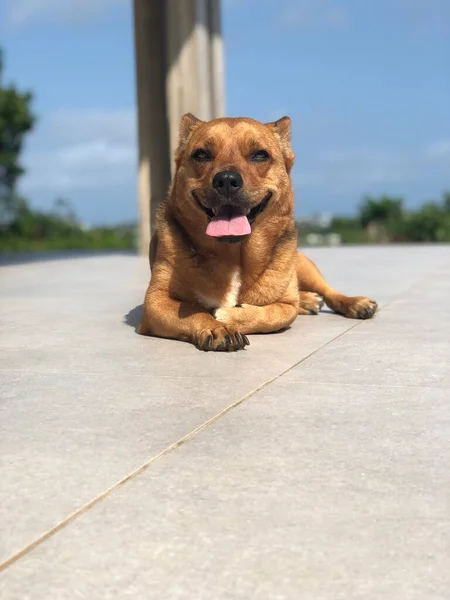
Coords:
234,173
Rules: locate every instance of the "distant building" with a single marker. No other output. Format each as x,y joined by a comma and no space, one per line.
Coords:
323,239
321,220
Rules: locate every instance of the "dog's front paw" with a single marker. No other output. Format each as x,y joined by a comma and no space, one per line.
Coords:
221,339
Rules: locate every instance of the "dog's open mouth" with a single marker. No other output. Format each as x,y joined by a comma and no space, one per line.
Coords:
231,221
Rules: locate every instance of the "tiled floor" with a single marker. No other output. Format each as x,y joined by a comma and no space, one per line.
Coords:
314,465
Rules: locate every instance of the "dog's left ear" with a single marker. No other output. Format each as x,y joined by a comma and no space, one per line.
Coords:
187,125
282,131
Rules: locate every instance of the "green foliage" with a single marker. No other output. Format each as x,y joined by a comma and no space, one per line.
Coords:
380,217
350,230
33,230
430,224
381,210
385,220
16,120
446,201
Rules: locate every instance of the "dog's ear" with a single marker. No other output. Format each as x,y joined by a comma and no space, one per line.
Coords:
282,131
187,125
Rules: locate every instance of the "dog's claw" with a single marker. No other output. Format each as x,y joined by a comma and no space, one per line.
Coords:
229,342
222,342
242,340
364,309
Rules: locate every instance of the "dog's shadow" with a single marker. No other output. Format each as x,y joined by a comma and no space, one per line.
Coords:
133,317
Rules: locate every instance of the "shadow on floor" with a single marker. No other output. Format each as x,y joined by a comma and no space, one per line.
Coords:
133,317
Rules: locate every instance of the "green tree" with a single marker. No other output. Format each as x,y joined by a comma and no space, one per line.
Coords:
446,201
16,120
64,211
431,223
382,218
380,210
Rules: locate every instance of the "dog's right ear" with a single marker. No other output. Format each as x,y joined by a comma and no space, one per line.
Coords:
187,125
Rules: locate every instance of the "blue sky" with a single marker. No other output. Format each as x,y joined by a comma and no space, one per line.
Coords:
366,83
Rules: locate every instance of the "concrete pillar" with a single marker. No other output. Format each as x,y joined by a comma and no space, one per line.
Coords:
179,69
217,73
153,126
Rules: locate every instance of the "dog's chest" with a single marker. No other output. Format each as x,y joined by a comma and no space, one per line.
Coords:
227,298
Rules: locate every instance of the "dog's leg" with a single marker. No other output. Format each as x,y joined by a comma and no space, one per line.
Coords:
252,318
311,280
258,319
165,317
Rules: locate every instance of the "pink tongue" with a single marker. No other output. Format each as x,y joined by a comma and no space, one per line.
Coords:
221,226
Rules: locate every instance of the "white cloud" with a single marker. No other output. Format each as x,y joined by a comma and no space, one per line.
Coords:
100,153
21,11
439,150
75,126
312,14
348,168
361,168
81,149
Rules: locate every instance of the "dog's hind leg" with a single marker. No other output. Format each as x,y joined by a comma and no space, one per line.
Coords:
310,303
311,281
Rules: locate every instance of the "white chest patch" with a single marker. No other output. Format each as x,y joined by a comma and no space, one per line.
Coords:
231,297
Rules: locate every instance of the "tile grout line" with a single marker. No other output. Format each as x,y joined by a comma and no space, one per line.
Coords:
142,468
172,447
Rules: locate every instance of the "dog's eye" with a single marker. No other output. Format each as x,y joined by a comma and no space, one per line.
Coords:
202,155
259,156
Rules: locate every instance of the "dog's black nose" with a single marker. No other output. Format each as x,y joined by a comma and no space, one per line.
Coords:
227,182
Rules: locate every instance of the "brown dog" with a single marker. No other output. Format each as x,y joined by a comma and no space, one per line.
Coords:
224,255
